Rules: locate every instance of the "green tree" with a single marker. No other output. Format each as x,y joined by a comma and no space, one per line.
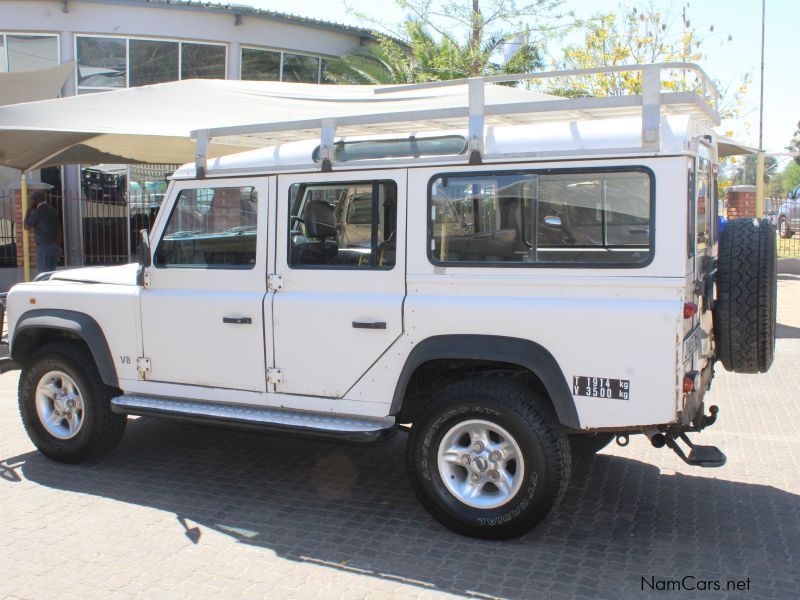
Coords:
453,39
640,36
745,171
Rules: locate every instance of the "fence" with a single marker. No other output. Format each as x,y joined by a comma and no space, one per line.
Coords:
785,217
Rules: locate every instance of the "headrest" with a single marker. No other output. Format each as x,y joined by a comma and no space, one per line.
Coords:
319,220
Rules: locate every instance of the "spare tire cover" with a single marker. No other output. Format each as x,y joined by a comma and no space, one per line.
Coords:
745,310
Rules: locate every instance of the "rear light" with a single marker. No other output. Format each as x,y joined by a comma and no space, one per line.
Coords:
689,310
690,381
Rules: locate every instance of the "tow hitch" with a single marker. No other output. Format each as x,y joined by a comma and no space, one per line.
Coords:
699,456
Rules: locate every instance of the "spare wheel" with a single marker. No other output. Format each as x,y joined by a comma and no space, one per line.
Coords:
744,313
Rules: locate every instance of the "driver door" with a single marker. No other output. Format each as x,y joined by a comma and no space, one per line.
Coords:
202,310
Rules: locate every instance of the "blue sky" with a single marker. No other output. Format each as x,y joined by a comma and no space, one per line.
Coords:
725,62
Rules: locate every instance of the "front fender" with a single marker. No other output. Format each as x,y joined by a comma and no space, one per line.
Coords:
25,337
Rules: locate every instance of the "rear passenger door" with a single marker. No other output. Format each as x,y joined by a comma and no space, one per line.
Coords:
341,256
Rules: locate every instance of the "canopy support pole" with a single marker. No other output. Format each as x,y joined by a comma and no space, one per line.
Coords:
26,242
760,186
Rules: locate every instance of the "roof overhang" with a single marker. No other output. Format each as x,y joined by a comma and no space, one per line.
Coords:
730,147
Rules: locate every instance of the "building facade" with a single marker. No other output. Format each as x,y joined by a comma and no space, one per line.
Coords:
129,43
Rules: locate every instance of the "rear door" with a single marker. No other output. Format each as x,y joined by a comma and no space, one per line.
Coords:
341,257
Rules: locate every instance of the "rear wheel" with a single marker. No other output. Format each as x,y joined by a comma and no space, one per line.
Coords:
487,458
745,311
65,406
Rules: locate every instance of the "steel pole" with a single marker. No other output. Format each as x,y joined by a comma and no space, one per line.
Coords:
26,242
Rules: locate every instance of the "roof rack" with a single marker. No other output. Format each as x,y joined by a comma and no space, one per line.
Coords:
701,100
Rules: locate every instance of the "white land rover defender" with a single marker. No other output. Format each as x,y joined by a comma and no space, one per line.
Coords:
514,293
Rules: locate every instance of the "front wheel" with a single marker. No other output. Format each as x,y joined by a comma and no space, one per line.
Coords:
487,458
65,406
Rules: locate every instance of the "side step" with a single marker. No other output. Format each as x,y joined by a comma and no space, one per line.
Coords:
699,456
353,429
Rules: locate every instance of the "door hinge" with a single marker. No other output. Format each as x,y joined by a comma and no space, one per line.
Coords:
143,366
146,278
274,282
274,375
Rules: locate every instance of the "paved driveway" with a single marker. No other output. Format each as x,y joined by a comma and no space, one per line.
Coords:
181,510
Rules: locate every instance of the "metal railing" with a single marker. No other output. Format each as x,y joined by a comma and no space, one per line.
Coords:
788,235
701,99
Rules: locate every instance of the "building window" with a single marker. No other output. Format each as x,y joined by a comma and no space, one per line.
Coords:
261,65
27,52
153,62
117,62
300,68
202,61
102,62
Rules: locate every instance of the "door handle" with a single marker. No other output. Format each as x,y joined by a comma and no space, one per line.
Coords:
237,320
369,324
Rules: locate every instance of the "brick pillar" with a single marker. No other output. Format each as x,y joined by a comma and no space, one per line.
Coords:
18,228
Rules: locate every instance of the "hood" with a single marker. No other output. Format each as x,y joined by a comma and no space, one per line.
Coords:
118,275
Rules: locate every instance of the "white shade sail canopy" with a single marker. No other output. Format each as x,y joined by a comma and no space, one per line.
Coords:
152,124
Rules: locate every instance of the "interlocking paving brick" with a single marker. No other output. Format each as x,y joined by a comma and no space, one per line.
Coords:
181,510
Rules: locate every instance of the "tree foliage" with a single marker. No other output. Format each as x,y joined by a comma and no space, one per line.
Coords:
453,39
641,36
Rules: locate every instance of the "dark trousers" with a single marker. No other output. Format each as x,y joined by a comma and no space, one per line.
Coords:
46,257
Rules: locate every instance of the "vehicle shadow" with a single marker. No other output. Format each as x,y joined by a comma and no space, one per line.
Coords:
351,508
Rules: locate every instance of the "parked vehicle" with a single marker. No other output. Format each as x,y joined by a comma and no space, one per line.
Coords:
789,214
515,296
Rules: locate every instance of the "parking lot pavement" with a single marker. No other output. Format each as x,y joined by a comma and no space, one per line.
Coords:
182,510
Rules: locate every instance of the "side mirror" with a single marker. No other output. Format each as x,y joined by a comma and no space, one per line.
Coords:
554,222
145,258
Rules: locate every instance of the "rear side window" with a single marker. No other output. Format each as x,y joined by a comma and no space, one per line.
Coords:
573,218
211,228
349,225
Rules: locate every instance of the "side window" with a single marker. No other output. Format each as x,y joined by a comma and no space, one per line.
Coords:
348,225
704,205
211,228
584,218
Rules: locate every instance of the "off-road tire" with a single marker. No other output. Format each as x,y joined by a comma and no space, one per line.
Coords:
785,232
532,423
745,310
584,446
101,430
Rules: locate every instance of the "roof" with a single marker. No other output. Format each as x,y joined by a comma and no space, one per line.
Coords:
247,11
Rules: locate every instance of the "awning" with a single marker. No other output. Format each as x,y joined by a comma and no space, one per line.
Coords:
152,124
30,86
730,147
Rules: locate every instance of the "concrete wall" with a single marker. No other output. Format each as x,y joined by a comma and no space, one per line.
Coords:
174,22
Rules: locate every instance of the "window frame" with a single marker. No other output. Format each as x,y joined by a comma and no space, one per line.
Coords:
127,39
320,58
162,231
374,231
539,173
4,52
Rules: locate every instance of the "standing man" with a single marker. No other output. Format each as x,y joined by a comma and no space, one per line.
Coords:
43,220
